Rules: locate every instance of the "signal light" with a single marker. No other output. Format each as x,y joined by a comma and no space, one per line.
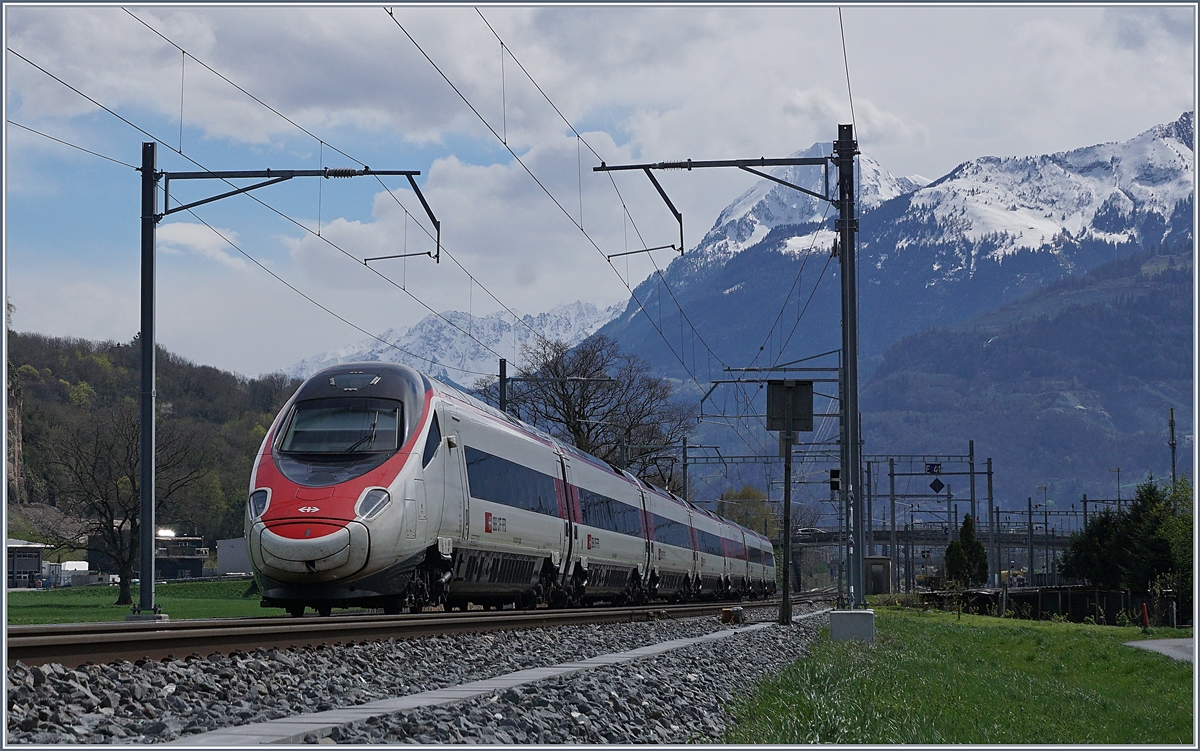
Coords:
835,479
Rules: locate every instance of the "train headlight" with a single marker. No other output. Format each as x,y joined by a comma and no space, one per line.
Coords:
373,501
258,502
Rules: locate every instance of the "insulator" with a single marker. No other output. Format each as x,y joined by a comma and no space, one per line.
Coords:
340,172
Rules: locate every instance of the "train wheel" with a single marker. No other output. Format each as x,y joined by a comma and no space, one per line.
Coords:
295,611
324,610
391,609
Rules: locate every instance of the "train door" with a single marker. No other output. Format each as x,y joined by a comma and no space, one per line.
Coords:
570,531
647,534
695,546
456,516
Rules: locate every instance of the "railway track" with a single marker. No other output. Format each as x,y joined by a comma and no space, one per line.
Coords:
75,644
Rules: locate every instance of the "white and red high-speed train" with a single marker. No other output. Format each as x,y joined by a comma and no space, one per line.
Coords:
377,486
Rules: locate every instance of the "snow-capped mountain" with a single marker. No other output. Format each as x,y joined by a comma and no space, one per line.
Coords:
456,351
1136,192
930,254
768,206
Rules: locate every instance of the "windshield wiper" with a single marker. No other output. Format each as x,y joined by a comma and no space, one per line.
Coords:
368,437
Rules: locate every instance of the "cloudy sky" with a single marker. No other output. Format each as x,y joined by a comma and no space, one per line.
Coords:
432,89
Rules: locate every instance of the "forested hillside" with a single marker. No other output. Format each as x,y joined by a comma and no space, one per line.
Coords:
1057,387
79,399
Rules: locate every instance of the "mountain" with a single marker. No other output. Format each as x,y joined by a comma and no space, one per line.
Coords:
930,254
976,245
1057,386
445,352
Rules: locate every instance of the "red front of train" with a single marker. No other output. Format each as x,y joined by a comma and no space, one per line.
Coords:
324,517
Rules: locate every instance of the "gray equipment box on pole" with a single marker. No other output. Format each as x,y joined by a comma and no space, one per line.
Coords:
802,405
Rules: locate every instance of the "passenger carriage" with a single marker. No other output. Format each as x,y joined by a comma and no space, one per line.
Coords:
377,486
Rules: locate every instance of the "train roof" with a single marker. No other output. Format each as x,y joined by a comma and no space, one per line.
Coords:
385,380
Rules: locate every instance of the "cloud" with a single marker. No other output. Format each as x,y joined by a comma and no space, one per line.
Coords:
200,240
933,86
1139,28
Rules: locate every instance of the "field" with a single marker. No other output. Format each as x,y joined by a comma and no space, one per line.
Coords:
932,678
217,599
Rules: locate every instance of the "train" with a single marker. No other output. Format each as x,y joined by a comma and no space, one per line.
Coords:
377,486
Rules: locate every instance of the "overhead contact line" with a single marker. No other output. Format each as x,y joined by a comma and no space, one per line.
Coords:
325,143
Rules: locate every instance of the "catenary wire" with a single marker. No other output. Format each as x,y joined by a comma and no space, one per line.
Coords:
256,199
354,326
67,143
324,143
579,137
278,278
539,183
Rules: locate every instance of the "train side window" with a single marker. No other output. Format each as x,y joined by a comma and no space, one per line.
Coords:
432,442
671,532
600,511
493,478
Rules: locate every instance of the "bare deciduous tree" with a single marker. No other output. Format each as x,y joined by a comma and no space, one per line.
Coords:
97,465
628,420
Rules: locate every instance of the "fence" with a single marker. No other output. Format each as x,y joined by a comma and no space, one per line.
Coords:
1074,604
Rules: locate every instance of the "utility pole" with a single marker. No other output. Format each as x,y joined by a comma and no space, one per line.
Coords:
785,608
503,385
993,524
996,543
845,149
870,526
1030,540
892,549
951,523
147,609
685,470
971,455
1171,443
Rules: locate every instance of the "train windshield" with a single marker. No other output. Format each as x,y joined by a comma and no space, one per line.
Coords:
344,426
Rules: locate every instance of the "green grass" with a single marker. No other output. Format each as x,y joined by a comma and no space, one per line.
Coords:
182,600
931,678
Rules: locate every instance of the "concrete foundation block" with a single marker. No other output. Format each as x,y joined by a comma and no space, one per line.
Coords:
859,625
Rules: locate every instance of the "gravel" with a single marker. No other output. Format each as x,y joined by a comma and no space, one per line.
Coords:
678,697
675,697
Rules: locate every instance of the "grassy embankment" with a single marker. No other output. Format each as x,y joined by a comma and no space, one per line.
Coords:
217,599
931,678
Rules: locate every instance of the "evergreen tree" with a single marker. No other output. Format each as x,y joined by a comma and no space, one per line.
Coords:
966,558
1149,544
956,564
973,552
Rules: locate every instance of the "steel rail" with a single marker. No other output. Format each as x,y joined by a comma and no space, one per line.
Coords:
75,644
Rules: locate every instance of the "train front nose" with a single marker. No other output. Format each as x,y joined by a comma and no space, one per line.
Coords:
309,550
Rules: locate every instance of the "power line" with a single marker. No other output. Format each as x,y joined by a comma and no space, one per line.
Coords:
255,261
580,139
66,143
323,144
355,326
539,183
258,200
846,61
